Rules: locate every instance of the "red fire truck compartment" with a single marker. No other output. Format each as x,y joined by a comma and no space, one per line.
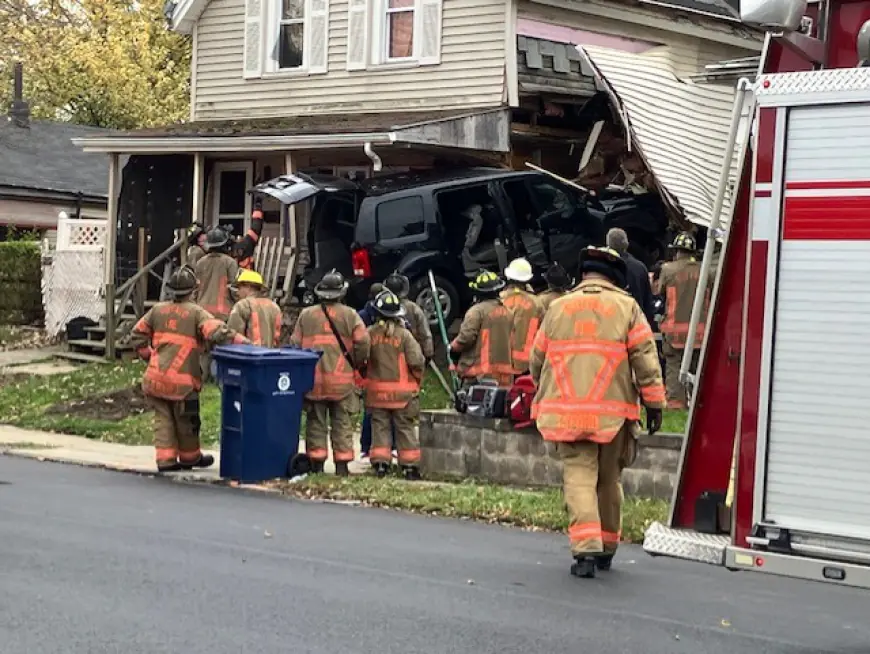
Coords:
802,505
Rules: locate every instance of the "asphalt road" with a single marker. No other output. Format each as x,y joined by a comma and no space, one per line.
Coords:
94,561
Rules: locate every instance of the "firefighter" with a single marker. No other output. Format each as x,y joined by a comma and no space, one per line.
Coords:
678,282
395,369
171,337
401,286
333,401
215,272
255,315
243,249
592,357
558,281
482,349
527,311
196,235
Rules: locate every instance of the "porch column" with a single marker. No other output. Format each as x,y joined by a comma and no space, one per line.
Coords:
109,252
298,219
198,203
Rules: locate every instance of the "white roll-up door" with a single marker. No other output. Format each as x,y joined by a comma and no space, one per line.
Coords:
818,437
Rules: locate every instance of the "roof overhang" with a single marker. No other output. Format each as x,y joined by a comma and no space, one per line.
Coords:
679,128
184,14
485,130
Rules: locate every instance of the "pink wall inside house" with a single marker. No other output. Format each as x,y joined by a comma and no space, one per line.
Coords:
559,34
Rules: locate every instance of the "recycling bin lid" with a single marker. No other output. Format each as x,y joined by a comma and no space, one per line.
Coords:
257,354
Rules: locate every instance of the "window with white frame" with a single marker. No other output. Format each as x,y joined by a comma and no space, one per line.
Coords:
393,32
290,48
285,36
399,30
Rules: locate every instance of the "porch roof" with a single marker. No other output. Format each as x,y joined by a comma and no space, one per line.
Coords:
484,129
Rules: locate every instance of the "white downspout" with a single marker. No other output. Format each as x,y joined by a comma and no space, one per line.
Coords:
377,164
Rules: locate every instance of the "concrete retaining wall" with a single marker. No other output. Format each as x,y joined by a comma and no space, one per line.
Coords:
456,445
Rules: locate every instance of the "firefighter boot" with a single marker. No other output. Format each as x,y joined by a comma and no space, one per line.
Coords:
317,467
204,461
341,469
604,562
381,469
411,473
583,566
169,467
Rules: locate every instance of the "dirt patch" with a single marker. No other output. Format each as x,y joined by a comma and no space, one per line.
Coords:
112,406
9,379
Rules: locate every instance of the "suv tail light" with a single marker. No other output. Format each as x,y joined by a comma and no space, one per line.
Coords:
362,265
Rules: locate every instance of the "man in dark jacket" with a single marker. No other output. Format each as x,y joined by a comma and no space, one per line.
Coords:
637,275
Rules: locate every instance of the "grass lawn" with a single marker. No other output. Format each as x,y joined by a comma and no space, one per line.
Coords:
539,509
91,402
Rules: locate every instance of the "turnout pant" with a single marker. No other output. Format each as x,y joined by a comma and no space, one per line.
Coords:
593,490
176,430
407,440
330,419
673,359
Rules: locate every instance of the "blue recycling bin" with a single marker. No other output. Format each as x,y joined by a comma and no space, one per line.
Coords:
261,407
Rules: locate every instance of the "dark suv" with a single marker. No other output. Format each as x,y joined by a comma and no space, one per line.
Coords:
449,221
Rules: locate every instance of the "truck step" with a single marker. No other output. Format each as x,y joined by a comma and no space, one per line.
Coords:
685,544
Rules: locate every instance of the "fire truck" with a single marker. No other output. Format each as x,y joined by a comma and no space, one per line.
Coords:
774,473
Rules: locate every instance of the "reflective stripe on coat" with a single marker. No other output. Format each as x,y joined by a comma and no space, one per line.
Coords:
594,358
259,319
484,340
395,368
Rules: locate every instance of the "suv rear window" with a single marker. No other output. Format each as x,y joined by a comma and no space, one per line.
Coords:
400,218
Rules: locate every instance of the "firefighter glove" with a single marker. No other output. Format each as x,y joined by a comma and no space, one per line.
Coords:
653,420
455,355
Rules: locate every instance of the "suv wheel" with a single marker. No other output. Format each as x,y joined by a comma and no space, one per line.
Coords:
421,294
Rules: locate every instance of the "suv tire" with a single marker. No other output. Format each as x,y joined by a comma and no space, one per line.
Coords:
421,294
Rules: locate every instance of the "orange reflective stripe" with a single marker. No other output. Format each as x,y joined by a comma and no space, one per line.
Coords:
143,327
254,236
569,406
640,334
165,453
189,457
585,531
604,348
668,324
255,335
524,353
610,537
408,457
209,327
316,453
654,393
278,321
381,454
342,455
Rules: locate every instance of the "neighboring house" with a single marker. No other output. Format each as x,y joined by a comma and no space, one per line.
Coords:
42,173
362,86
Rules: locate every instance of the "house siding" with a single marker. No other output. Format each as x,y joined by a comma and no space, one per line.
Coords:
471,73
688,54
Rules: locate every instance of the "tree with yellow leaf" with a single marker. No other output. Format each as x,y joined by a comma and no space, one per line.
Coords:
108,63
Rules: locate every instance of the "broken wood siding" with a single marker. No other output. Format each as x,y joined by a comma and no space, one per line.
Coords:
688,54
471,73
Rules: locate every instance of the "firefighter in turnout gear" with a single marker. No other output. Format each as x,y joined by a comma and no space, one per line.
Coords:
255,315
170,337
527,311
243,249
395,369
482,349
215,272
196,236
593,359
401,286
558,281
338,332
678,283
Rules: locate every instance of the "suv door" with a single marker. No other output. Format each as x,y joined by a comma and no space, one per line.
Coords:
395,226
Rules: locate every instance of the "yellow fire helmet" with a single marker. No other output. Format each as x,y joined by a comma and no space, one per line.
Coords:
251,277
487,282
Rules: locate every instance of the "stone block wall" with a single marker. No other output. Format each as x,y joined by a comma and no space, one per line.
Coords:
456,445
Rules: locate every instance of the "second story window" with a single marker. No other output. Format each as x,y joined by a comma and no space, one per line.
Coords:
286,37
399,29
291,34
